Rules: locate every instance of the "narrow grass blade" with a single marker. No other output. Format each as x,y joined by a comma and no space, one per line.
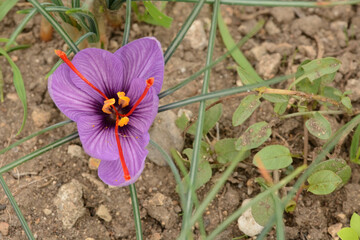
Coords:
256,199
5,7
181,34
55,25
171,90
39,152
57,64
17,143
115,4
1,86
199,129
87,21
75,3
251,76
16,208
63,16
19,86
221,93
135,206
127,23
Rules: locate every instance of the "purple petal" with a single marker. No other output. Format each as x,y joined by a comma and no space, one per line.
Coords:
145,113
143,58
71,100
97,137
101,68
111,172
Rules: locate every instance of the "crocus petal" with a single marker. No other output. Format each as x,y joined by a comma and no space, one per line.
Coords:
98,139
111,172
71,100
142,58
101,68
145,112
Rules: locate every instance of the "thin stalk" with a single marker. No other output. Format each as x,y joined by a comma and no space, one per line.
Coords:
135,206
16,208
255,200
271,3
55,25
200,124
127,23
221,93
181,34
334,112
171,90
17,143
219,183
38,152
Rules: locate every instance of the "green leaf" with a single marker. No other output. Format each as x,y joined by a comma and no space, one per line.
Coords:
254,136
211,117
355,223
323,182
87,21
247,106
348,234
273,157
318,68
5,7
226,152
309,87
157,17
333,93
346,102
338,166
19,86
276,98
182,121
247,73
354,149
263,210
280,108
319,126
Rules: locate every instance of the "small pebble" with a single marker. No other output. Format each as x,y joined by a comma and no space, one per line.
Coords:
94,163
333,229
47,211
75,151
4,228
247,223
104,213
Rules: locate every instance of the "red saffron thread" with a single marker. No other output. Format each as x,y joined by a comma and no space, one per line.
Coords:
122,159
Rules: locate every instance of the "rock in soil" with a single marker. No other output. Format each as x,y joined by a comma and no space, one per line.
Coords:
333,229
247,223
283,14
165,133
269,65
160,208
69,203
309,25
196,35
352,194
75,151
4,228
40,117
353,85
104,213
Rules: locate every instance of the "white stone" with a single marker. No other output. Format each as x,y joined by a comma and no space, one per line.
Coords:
75,151
196,35
104,213
333,229
247,223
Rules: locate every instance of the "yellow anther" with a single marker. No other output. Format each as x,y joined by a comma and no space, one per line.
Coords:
123,121
107,105
123,101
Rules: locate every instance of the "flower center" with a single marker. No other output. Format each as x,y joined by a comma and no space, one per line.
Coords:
109,108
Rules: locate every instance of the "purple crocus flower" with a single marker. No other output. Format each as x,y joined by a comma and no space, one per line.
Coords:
113,99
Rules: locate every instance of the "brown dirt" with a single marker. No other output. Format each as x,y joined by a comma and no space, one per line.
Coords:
312,32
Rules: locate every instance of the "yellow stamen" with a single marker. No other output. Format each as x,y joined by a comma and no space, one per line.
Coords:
107,105
123,101
123,121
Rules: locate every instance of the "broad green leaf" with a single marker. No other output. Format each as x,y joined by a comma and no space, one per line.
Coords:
276,98
319,126
338,166
5,7
355,223
263,210
346,102
280,108
323,182
309,87
254,136
247,73
354,149
348,234
318,68
226,152
211,117
182,121
247,106
157,17
273,157
333,93
19,86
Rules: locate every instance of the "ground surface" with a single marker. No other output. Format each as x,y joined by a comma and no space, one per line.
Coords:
289,37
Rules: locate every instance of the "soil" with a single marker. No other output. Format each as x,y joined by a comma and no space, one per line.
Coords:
290,35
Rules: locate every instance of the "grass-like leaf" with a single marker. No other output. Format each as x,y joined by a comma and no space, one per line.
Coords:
19,86
5,7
